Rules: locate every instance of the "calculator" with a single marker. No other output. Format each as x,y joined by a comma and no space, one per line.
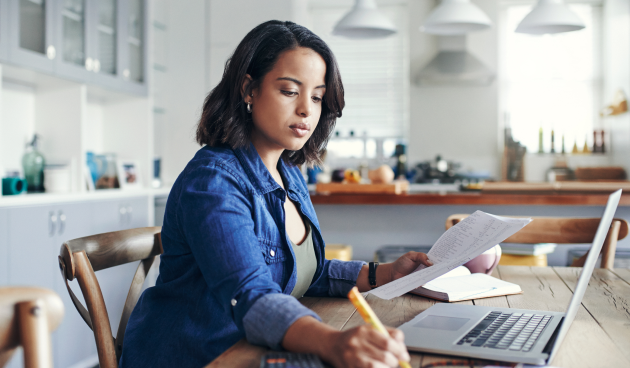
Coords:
290,360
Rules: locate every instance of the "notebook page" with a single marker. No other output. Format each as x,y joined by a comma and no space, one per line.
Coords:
458,245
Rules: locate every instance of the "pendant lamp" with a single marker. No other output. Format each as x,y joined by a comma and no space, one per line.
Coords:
550,16
364,21
456,17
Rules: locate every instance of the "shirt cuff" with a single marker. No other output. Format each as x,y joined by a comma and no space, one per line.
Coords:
342,276
269,318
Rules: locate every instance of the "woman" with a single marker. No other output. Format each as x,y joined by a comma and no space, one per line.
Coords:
240,236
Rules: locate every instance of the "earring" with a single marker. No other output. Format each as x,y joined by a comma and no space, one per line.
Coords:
249,107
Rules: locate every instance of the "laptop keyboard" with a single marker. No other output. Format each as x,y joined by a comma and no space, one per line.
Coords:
507,331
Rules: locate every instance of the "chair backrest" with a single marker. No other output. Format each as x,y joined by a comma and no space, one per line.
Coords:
27,317
564,230
79,258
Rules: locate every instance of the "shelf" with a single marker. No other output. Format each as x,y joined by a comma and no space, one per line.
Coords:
50,198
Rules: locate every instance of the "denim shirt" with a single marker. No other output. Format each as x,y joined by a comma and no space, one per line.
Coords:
228,268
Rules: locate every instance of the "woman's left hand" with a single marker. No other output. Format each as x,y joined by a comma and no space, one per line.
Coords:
407,263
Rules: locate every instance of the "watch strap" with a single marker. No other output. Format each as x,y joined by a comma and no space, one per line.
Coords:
372,273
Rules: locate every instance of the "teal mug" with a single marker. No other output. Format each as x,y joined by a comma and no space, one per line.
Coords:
13,186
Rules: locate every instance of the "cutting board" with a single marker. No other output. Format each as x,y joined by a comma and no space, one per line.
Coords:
396,187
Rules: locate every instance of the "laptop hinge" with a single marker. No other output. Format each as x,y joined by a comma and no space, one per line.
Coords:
552,339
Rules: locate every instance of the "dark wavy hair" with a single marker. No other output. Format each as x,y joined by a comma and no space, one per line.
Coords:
224,119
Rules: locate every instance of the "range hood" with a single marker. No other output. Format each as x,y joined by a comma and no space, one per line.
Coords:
454,66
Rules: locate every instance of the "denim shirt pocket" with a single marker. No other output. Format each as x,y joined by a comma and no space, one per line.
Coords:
272,251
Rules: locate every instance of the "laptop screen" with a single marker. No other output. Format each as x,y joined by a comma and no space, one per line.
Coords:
587,270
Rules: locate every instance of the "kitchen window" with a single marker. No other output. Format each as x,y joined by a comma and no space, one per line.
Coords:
375,75
550,81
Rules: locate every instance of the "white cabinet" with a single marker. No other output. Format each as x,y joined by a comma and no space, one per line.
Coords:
100,42
120,214
36,234
28,256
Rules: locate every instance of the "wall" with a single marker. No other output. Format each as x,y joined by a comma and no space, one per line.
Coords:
230,21
460,123
617,74
183,86
18,123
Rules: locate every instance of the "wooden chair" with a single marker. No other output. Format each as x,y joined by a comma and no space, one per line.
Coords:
27,317
563,230
79,258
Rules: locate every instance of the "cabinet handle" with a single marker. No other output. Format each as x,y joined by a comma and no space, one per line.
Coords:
89,64
62,222
97,65
52,223
123,215
51,52
129,214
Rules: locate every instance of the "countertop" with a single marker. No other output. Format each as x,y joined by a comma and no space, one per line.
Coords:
468,198
493,193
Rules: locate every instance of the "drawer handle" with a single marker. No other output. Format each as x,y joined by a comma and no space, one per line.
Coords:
52,223
129,214
62,222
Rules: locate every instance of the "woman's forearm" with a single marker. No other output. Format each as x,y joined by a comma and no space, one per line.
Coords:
308,335
383,276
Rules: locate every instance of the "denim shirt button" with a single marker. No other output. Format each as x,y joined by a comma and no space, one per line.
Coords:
272,253
233,302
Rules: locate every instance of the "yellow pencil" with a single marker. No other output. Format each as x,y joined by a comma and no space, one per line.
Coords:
368,316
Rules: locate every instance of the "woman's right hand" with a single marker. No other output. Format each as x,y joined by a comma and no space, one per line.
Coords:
364,347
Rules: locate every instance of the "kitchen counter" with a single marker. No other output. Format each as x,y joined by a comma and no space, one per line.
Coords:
469,198
493,193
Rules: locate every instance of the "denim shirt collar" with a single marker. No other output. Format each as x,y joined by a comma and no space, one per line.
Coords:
260,177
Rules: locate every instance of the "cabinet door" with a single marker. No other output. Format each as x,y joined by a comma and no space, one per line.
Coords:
4,247
73,341
134,48
31,235
31,34
107,40
107,216
137,213
31,241
73,21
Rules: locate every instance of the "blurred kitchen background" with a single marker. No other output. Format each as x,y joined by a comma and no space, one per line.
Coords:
99,100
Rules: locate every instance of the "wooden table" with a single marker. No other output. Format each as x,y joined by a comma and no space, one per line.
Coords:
599,335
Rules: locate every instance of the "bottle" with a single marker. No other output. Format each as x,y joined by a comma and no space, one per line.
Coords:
575,149
33,164
540,140
585,149
401,162
602,149
563,150
553,148
595,141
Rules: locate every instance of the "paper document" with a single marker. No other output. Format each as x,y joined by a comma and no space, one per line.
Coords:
461,243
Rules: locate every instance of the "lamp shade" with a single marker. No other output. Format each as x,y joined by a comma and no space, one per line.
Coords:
550,16
364,21
455,17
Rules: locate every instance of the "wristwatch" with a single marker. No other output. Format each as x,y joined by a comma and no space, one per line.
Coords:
372,274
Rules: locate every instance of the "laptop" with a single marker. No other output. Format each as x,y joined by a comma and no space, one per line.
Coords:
504,334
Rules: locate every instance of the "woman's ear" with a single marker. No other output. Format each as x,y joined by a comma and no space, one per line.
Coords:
246,91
